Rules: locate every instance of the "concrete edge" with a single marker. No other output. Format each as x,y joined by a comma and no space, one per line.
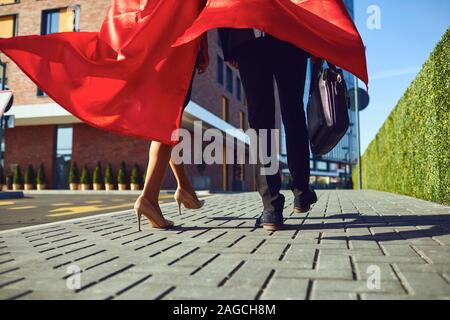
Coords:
97,192
43,225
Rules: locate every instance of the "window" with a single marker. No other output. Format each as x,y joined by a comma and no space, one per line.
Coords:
2,2
220,64
225,109
311,164
8,26
229,79
63,154
322,165
58,20
238,89
3,79
242,120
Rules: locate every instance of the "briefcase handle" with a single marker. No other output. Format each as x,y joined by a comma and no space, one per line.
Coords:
317,68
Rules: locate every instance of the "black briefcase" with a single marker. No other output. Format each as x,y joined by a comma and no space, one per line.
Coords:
327,109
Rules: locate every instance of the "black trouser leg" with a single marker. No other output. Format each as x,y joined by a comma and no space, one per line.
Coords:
257,79
289,66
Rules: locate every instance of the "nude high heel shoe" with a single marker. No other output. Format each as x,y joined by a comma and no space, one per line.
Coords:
189,201
154,216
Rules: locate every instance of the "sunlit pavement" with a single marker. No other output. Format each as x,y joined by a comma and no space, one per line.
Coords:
37,208
351,245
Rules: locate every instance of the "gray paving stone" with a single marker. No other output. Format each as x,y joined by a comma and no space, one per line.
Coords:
216,253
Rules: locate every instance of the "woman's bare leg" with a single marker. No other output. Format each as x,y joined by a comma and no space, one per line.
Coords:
159,157
182,178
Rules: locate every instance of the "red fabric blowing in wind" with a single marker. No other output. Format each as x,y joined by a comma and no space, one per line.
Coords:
320,27
132,76
127,78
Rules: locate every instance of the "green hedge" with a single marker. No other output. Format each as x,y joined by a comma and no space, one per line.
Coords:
411,153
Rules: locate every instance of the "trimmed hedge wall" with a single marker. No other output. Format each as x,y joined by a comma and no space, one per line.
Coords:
411,153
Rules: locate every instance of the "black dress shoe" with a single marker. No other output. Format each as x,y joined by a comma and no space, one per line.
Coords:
303,202
271,221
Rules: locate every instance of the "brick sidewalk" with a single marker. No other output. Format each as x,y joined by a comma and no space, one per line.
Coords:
215,253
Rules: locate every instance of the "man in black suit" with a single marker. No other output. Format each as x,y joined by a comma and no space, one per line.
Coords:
261,58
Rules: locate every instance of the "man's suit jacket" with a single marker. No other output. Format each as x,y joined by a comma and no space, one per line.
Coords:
232,39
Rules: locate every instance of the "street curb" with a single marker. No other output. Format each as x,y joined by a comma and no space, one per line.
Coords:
4,195
99,192
43,225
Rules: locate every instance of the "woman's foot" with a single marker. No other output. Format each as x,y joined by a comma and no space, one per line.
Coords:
152,212
188,199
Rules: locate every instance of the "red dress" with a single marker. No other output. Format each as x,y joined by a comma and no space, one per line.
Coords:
132,76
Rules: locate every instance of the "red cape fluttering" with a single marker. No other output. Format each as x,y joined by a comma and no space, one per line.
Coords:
321,27
132,77
126,78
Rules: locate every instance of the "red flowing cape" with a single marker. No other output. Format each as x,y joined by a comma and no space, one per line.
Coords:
127,78
321,27
132,77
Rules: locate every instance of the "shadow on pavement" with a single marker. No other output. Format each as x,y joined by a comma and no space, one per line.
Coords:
438,225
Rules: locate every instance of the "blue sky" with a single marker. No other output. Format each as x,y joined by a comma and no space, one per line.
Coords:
409,31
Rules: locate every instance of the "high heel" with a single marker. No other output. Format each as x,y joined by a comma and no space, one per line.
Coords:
189,201
154,216
138,216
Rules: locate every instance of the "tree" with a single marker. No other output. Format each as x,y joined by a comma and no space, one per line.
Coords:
74,176
98,179
17,178
136,177
109,174
2,175
29,175
85,175
122,174
40,177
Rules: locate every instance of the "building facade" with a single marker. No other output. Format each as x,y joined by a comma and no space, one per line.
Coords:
46,133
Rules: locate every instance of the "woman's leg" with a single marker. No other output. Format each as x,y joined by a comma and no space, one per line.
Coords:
159,157
182,178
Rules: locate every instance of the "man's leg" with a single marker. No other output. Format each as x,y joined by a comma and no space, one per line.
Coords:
257,79
290,74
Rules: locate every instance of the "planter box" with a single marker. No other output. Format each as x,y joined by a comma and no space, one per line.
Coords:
74,186
98,186
135,186
41,186
29,186
17,187
109,186
122,187
85,187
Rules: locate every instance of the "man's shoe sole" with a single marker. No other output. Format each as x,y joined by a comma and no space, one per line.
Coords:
304,210
272,227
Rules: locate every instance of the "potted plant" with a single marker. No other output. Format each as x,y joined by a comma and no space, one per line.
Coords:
97,177
144,176
122,176
136,179
2,179
29,178
85,179
109,177
17,179
74,177
40,177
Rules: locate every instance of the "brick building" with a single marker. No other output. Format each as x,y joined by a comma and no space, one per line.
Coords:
45,132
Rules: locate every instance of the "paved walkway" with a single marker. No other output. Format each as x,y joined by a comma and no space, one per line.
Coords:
215,253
